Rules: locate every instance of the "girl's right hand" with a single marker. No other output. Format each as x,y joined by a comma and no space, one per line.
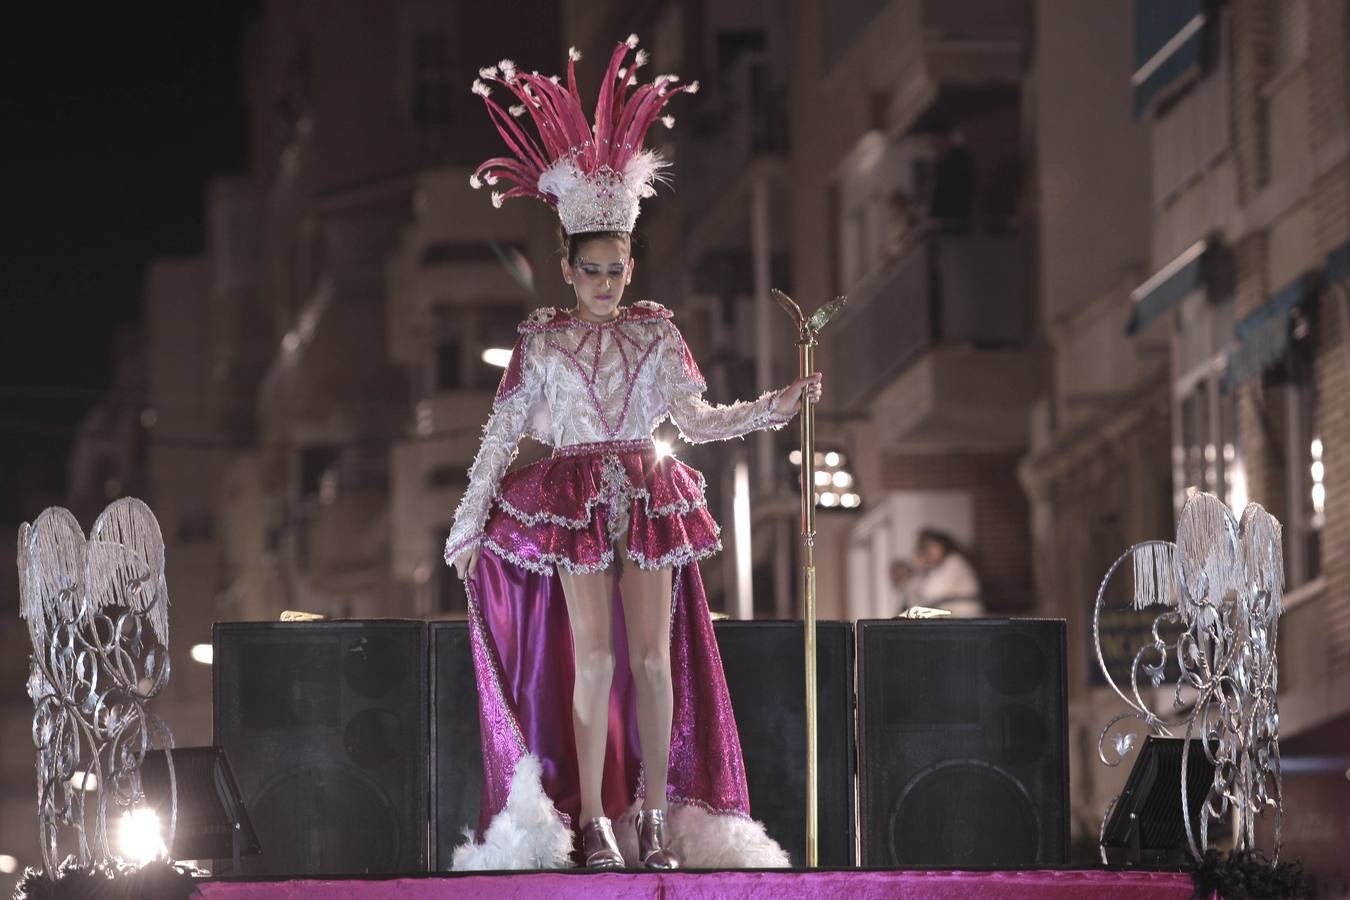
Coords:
467,561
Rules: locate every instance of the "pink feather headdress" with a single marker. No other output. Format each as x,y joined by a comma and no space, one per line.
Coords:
593,176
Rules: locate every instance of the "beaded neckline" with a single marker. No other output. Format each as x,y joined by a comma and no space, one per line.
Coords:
551,318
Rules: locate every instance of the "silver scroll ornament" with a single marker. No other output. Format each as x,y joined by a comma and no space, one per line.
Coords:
1220,587
97,612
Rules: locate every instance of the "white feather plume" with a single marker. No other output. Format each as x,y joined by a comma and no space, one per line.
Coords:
526,834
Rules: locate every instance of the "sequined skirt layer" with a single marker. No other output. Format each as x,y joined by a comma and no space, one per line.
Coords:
572,509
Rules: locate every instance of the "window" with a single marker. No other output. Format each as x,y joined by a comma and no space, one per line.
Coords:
431,79
1291,386
1190,134
448,373
316,462
456,361
1206,452
1289,43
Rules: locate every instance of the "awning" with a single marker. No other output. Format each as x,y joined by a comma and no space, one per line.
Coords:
1263,334
1169,40
1166,288
1338,264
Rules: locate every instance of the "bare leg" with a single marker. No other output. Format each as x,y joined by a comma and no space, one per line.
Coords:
589,611
646,614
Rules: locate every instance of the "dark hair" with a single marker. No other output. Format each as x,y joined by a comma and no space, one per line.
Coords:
571,243
941,538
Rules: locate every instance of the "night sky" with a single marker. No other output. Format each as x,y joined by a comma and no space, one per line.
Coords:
113,117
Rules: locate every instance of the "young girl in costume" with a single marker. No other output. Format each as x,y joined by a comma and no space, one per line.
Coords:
602,698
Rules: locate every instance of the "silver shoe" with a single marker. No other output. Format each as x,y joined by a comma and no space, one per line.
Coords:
653,849
598,845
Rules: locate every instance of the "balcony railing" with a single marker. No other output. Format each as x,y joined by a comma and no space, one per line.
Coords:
945,289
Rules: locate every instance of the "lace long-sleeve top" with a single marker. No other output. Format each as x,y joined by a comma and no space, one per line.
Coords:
572,382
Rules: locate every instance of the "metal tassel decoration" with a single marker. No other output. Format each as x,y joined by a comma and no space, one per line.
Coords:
97,614
1220,586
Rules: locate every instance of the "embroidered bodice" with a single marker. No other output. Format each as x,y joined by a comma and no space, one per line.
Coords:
572,382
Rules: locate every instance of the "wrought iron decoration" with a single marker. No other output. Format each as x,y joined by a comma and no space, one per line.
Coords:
1220,587
97,613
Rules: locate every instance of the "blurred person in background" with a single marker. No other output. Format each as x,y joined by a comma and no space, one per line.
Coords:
946,579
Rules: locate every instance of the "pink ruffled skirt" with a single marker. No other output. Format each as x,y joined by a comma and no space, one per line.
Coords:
573,508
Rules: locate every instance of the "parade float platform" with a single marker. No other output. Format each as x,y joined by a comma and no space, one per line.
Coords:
781,884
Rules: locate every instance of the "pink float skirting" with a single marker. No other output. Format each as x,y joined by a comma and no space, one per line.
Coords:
1035,884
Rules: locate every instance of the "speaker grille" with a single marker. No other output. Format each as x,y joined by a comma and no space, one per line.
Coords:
962,742
765,668
456,748
325,727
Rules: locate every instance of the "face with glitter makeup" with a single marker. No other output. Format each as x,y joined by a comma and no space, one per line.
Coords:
602,270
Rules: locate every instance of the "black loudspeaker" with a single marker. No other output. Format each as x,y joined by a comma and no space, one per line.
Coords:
325,724
962,742
456,751
765,665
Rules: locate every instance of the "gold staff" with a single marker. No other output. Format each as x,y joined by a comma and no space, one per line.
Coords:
807,329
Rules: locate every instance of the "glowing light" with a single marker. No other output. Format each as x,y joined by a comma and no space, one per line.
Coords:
1318,470
203,653
842,479
1319,497
745,560
831,458
795,457
139,836
663,449
497,356
8,864
822,478
1316,448
850,501
829,498
291,342
84,781
1237,494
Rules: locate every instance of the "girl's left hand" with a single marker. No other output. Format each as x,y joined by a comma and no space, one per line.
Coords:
786,404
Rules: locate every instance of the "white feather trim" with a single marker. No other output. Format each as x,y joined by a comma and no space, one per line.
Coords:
644,169
527,834
706,840
559,178
574,54
632,40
